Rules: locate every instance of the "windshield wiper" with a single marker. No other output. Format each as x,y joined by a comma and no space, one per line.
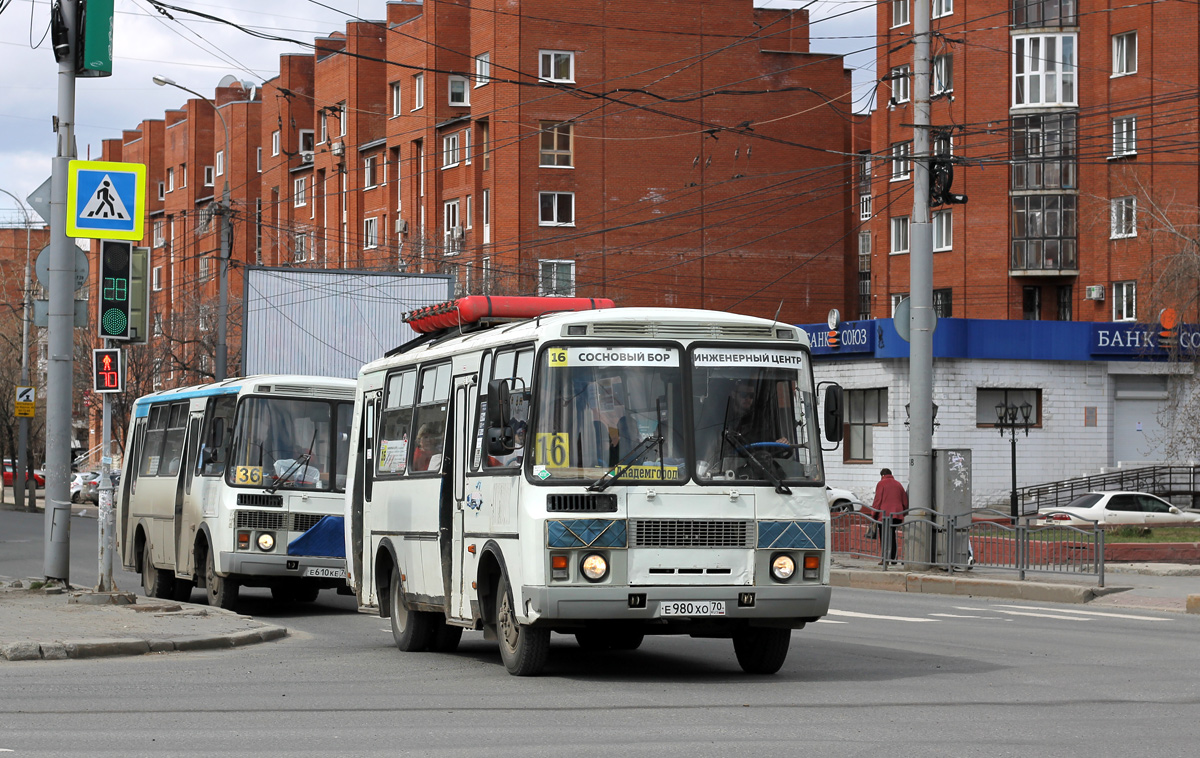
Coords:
301,461
736,440
625,463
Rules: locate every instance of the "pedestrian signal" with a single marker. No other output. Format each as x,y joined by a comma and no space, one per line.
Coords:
115,273
108,375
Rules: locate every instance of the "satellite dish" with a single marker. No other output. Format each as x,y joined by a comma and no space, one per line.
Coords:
228,81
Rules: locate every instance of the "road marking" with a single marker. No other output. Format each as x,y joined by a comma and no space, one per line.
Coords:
1021,613
1093,613
830,621
967,616
852,614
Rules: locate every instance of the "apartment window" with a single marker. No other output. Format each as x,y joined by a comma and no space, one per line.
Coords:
1044,152
258,229
1123,212
485,144
275,142
943,303
1124,47
1124,301
557,66
467,215
864,172
1044,70
170,180
899,234
864,275
1124,131
307,140
458,90
556,208
397,103
556,278
162,190
209,179
342,118
220,167
258,159
987,398
158,320
182,175
942,8
943,74
865,410
418,92
450,150
370,171
901,163
864,208
1066,299
899,12
1031,303
159,240
298,193
370,232
900,77
483,69
466,145
299,247
556,144
156,278
205,270
1044,232
453,227
485,215
897,298
1044,13
943,230
485,275
324,116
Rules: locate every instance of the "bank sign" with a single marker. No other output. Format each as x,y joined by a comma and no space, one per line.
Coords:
852,337
1144,340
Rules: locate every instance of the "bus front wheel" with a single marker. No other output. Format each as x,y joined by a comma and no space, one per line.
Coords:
762,651
155,582
411,630
222,591
523,649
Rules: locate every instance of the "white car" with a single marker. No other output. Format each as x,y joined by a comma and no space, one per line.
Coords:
1105,508
78,480
841,501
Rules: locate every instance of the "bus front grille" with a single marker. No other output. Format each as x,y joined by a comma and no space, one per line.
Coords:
260,501
690,533
605,503
292,522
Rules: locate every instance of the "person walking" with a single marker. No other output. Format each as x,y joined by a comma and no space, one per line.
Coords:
890,503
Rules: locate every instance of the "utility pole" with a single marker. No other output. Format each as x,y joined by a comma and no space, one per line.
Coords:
21,472
61,317
921,318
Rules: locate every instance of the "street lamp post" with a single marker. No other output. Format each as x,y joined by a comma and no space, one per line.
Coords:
226,232
1006,419
21,471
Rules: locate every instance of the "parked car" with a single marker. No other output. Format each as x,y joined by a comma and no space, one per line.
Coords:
79,479
841,500
1107,508
89,492
38,477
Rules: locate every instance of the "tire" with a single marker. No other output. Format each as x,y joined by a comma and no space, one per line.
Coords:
445,638
762,651
183,590
841,506
283,593
155,581
593,640
222,591
412,630
627,640
307,592
523,649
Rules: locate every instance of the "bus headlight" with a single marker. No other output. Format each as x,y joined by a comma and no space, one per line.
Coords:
782,567
594,567
266,542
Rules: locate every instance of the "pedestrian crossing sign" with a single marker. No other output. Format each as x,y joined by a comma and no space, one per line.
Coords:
106,200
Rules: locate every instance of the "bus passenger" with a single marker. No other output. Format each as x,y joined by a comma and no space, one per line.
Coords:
429,444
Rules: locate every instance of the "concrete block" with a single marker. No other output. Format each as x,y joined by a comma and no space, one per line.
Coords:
21,651
161,646
203,642
98,648
1193,604
54,651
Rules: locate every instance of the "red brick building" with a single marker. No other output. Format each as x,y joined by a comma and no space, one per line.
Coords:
1073,129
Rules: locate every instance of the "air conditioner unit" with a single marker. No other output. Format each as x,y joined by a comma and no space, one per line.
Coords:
402,227
338,149
306,156
1095,292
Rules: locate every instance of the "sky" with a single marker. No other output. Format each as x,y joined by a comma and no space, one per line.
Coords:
197,53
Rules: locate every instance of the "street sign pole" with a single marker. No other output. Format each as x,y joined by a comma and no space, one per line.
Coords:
106,521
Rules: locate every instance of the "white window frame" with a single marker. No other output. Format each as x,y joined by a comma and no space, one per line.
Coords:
1124,301
900,13
898,235
258,159
466,220
162,190
323,137
299,193
466,145
156,279
465,95
171,180
942,8
209,178
450,155
418,91
942,74
865,211
182,175
159,229
306,141
220,163
275,143
556,263
1045,81
901,161
901,79
557,199
341,111
370,171
943,230
1123,217
397,99
485,215
483,69
370,232
451,226
1124,54
1124,129
547,60
299,247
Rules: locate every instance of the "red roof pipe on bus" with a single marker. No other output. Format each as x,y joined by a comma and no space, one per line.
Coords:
471,310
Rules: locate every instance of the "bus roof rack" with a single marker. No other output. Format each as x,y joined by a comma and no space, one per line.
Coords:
481,310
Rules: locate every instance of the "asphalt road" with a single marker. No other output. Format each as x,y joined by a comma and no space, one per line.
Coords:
884,674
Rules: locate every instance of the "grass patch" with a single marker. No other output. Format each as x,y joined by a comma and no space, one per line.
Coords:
1156,534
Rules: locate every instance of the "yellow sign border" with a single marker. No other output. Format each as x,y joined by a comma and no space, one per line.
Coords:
138,212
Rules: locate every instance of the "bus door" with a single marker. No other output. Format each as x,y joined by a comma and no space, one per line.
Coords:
466,388
183,487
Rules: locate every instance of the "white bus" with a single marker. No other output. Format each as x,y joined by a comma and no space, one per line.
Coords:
606,473
238,483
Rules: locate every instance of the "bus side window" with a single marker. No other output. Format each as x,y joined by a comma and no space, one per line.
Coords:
214,449
173,443
156,429
395,421
485,374
430,419
517,367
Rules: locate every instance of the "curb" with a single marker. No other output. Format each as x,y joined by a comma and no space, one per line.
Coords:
901,581
99,648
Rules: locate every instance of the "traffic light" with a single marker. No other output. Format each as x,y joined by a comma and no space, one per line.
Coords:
95,36
108,375
115,272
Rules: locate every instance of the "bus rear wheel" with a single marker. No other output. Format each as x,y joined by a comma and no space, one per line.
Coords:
762,651
445,637
155,581
523,649
411,630
222,592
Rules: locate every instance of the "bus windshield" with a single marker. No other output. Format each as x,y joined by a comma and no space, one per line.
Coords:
603,408
290,443
754,415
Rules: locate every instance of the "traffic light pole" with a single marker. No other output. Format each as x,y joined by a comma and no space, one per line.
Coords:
107,524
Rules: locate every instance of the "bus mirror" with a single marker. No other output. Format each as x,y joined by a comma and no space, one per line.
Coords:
834,413
500,438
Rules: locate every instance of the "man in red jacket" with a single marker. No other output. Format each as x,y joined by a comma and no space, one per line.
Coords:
890,503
